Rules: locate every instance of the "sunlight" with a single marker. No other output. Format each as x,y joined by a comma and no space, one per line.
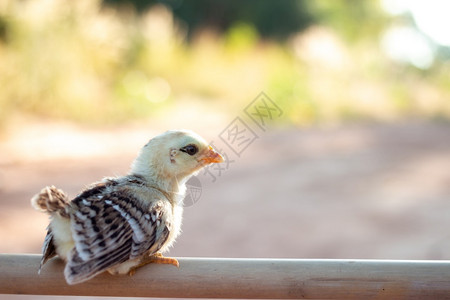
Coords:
431,17
407,44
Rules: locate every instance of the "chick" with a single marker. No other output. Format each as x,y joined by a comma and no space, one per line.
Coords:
122,223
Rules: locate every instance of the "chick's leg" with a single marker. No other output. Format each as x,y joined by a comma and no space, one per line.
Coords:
156,258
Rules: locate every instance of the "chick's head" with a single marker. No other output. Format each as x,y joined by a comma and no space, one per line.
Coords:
175,154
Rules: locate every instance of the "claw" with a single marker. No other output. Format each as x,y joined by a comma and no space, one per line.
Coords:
156,258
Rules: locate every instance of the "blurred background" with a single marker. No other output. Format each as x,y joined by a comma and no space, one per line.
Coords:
348,153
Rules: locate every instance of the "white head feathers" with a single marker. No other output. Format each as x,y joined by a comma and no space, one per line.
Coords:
169,159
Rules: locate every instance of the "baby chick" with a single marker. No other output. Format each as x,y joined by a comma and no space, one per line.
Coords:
122,223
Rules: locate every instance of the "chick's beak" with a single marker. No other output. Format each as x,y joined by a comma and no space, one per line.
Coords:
211,156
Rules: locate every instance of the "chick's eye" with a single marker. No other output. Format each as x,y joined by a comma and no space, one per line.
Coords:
190,149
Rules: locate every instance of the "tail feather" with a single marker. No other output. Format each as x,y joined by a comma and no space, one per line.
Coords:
48,249
51,200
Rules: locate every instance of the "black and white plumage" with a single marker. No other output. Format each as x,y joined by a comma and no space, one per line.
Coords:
122,223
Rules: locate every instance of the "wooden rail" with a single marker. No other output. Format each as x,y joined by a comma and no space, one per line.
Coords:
240,278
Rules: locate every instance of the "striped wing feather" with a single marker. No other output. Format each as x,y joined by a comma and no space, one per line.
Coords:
111,228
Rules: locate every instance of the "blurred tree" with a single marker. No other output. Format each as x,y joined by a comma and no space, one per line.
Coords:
274,20
4,29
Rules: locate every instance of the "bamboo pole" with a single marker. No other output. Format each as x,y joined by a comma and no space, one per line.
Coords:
240,278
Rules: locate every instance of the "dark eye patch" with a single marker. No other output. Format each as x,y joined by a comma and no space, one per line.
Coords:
190,149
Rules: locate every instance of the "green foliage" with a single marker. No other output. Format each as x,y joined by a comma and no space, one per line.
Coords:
353,19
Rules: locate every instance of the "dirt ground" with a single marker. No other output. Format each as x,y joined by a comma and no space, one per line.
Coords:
357,191
366,191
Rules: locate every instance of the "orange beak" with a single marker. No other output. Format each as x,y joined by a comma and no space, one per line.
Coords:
211,156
